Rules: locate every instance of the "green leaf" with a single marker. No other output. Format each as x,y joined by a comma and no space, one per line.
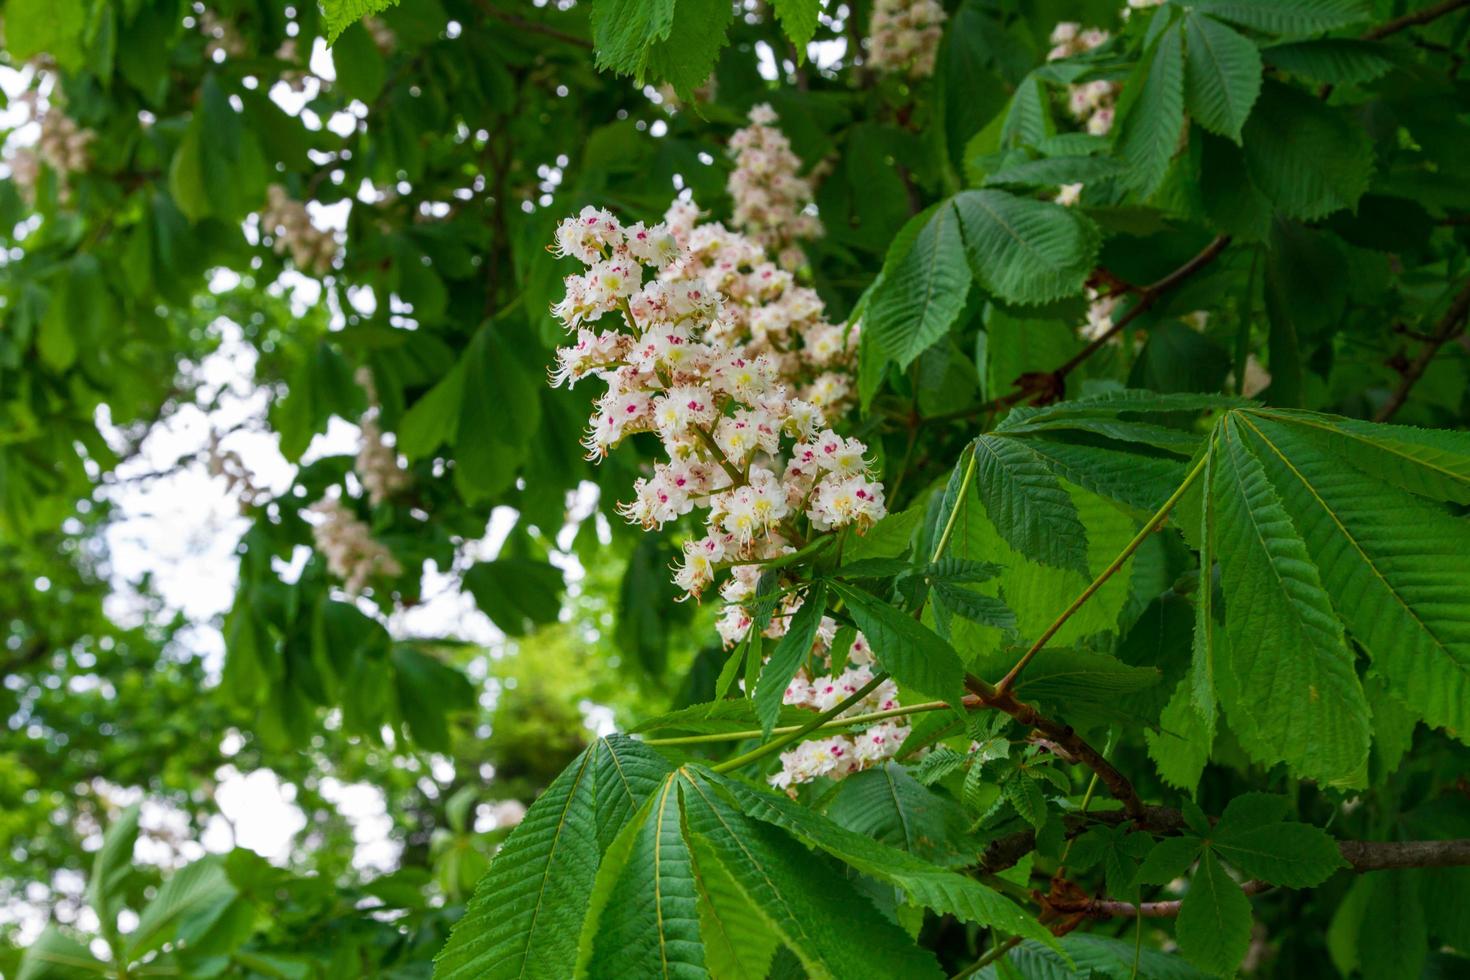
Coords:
729,715
1077,677
922,289
35,27
1026,796
904,647
1394,940
799,21
527,912
1169,859
627,773
428,690
650,924
1295,855
738,940
517,594
1149,132
1222,75
1023,250
1054,171
1428,462
834,931
1214,926
342,14
926,884
790,654
1298,690
1392,563
111,868
1304,155
1181,746
1333,60
1139,481
1027,504
54,955
887,804
187,892
663,40
1288,16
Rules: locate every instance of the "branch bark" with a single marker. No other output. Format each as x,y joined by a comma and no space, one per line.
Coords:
1449,326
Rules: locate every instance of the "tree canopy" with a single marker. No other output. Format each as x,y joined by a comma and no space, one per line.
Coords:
882,488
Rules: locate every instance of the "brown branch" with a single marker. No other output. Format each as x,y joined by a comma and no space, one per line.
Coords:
1423,16
533,27
1147,297
1066,738
1107,908
1047,386
1451,324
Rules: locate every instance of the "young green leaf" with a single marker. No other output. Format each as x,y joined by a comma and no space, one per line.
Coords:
1304,155
1149,131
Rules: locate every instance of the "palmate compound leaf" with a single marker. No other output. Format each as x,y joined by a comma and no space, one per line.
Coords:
1293,686
926,884
833,930
1394,565
527,912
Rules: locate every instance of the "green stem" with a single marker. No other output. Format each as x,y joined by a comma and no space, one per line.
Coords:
777,744
1148,528
786,729
955,511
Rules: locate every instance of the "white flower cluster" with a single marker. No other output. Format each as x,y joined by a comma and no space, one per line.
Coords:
63,146
773,202
1133,5
239,479
1091,103
1100,310
352,554
383,37
840,755
223,40
729,361
903,36
289,225
377,463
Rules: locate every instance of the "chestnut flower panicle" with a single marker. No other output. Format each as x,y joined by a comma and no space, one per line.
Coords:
904,36
729,362
773,201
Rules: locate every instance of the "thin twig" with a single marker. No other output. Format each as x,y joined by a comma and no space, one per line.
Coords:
1449,326
533,27
1107,908
1007,682
1415,19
